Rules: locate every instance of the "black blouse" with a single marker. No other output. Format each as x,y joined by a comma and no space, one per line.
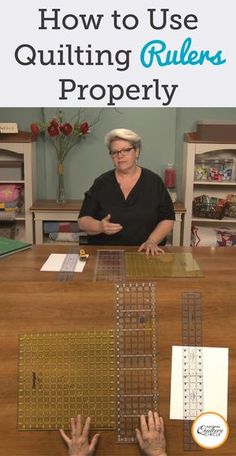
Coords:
147,204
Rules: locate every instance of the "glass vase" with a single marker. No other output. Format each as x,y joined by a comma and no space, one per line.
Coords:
60,188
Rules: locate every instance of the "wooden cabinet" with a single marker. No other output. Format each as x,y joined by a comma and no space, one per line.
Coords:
18,166
50,210
196,152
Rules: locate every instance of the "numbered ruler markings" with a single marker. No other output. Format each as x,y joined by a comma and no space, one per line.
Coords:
110,266
136,356
192,363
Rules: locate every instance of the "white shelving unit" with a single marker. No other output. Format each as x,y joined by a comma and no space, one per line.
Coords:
18,166
194,149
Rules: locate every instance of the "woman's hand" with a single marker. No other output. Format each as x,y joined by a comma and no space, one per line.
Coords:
151,437
151,247
110,228
78,444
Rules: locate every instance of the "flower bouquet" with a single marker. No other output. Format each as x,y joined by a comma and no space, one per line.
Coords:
63,136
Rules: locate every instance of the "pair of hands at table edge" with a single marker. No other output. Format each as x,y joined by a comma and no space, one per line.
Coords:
150,436
93,227
150,246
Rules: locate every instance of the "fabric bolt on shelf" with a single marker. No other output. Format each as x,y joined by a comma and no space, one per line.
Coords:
65,237
60,227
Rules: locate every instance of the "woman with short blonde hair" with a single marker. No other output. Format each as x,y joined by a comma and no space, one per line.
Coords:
126,135
128,205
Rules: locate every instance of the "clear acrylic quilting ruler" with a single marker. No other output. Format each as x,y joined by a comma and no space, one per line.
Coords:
67,270
136,356
110,265
192,362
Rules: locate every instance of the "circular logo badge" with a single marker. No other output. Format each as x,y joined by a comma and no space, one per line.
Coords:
210,430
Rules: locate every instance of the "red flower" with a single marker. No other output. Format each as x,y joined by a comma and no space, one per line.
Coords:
66,129
35,129
53,130
54,123
62,134
84,128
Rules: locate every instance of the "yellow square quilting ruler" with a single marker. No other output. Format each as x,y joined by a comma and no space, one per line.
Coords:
141,266
63,374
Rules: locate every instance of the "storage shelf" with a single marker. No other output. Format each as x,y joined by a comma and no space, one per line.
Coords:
20,217
2,181
18,167
224,220
51,242
219,184
193,188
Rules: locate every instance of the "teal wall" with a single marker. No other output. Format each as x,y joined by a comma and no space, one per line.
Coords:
161,130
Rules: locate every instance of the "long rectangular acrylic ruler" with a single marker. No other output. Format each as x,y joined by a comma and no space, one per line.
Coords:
136,355
67,270
192,364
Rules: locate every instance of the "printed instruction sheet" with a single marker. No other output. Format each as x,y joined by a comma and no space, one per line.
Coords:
55,262
215,381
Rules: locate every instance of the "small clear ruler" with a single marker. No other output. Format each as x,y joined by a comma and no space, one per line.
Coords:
192,364
136,356
68,266
110,265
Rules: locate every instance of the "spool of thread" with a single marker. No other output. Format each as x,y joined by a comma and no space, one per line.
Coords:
170,176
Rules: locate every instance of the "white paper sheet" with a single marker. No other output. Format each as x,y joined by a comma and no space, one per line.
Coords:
55,261
215,381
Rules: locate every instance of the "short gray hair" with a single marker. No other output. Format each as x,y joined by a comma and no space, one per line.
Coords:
123,133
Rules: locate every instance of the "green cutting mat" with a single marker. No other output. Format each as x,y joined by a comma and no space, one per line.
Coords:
63,374
141,266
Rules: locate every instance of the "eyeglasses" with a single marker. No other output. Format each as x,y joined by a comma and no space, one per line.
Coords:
115,153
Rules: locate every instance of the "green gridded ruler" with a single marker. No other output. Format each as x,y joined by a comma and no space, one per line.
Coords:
136,356
192,362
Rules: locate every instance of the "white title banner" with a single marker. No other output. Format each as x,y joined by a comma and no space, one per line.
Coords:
153,54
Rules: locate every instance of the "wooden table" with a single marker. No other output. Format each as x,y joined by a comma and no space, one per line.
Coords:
37,301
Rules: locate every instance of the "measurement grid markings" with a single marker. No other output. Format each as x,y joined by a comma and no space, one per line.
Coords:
136,356
67,270
110,265
192,362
